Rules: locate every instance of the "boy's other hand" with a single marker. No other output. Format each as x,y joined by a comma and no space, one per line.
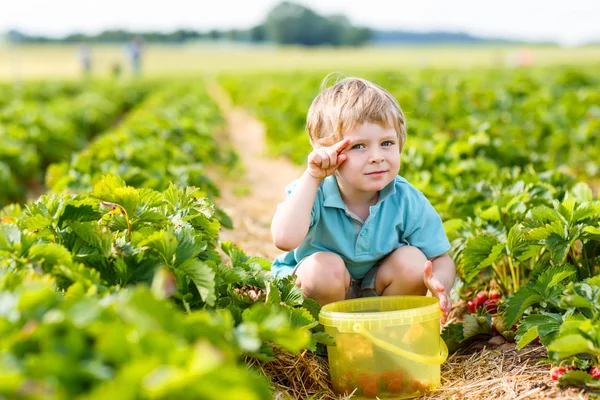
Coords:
437,290
323,161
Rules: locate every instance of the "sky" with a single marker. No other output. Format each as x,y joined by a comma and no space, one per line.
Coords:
568,22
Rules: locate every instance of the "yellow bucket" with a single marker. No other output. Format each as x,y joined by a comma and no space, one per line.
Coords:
386,347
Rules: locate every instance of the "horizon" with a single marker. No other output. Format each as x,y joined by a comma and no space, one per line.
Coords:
536,20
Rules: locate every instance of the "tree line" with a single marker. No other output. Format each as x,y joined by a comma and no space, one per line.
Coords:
287,23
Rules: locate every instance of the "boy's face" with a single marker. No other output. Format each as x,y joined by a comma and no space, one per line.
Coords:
373,157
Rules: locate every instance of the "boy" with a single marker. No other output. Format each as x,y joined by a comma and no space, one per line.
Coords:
352,227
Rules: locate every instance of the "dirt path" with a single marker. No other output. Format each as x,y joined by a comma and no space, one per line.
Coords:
251,199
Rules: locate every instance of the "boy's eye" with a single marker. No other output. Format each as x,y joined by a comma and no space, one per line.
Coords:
388,143
358,146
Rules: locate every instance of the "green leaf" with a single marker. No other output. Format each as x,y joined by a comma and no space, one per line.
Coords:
10,235
581,192
291,294
164,242
273,295
552,276
541,233
558,246
527,337
491,214
188,245
50,254
545,214
301,318
479,253
80,211
593,232
453,335
312,306
514,239
572,344
471,326
226,275
203,277
575,378
520,301
547,326
105,188
259,263
94,235
36,222
566,208
586,210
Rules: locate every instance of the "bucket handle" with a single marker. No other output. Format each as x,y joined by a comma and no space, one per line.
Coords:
432,360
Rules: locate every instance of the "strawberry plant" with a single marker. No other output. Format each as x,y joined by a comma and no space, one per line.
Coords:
127,345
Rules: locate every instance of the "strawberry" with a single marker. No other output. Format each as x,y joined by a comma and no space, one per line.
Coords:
371,390
495,295
481,297
363,379
595,372
557,373
347,377
472,306
395,386
491,306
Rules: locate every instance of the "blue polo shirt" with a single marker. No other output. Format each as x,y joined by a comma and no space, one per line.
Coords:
402,216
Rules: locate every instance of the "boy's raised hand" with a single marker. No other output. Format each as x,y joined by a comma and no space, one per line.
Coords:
323,161
437,290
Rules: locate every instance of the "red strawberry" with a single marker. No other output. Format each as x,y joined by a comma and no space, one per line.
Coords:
371,390
481,297
472,306
495,295
557,373
395,386
595,372
491,306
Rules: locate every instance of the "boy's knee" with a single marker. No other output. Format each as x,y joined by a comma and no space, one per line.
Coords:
323,273
403,267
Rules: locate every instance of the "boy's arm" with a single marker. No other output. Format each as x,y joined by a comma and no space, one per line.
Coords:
292,218
444,270
439,276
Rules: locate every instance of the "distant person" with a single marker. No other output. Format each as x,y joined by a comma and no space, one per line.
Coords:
134,51
85,59
116,70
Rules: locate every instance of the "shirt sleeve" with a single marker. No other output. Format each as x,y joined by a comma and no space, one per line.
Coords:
424,228
315,213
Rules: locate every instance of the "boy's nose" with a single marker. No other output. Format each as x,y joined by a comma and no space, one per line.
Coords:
376,159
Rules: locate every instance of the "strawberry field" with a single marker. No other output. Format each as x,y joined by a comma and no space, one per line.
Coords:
114,282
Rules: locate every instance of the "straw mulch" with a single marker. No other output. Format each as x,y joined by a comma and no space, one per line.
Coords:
481,371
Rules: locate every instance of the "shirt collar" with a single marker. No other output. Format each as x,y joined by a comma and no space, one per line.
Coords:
333,197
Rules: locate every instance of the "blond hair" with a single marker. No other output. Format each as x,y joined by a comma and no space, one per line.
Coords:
350,102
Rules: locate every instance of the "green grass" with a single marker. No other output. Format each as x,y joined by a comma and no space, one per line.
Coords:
60,61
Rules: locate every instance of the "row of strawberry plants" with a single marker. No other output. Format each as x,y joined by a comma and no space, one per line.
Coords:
170,138
106,246
42,123
117,239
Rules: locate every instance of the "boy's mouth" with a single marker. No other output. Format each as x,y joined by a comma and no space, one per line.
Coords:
374,173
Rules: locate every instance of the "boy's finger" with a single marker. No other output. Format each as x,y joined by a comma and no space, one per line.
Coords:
325,161
428,269
316,159
340,159
339,146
